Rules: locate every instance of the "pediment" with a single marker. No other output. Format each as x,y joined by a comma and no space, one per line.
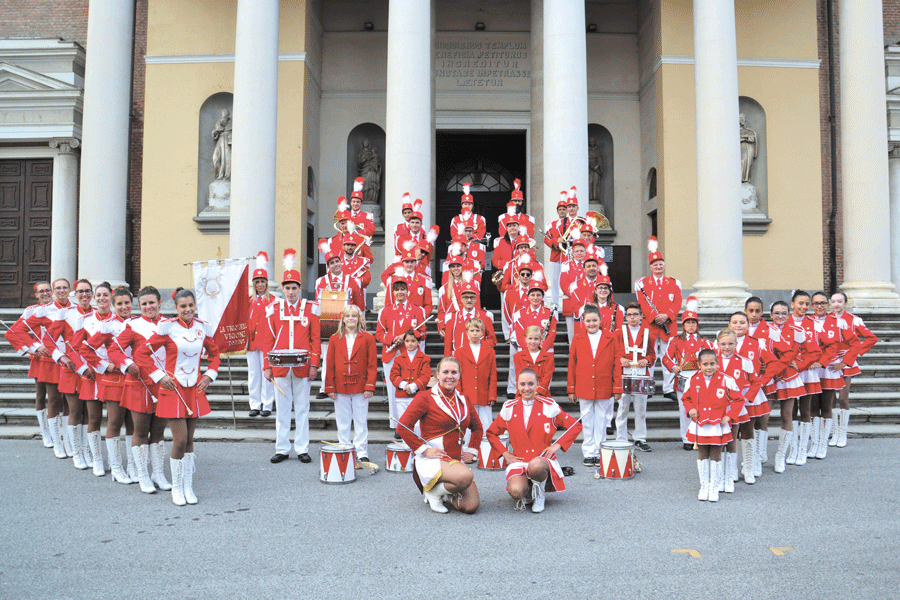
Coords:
18,79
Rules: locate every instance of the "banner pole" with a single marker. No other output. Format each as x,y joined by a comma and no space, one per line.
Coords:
231,390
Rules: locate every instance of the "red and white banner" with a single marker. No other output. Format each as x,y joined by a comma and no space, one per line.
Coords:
221,291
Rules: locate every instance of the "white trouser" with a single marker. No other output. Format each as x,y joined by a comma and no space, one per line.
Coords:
503,322
570,327
324,366
554,282
511,377
684,420
296,396
402,404
668,376
485,415
392,394
355,408
640,417
262,391
594,424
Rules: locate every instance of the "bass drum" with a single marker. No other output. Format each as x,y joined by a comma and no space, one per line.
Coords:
331,303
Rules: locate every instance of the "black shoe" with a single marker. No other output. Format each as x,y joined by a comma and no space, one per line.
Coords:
642,446
265,413
687,446
278,458
304,458
321,395
588,462
510,396
673,396
568,471
397,437
253,413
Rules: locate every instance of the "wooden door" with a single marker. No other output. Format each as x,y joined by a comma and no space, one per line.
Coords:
26,188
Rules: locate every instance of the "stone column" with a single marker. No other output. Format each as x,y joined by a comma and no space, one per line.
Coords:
105,141
864,163
409,135
894,169
64,217
254,133
534,200
720,248
565,109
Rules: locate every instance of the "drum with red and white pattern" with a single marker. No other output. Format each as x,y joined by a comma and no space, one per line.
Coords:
399,458
337,464
616,460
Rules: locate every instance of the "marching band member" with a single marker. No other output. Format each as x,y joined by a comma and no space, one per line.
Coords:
22,341
450,294
711,402
581,291
354,263
407,209
410,373
478,373
424,250
760,330
396,318
467,213
571,271
350,373
660,299
148,442
534,313
532,421
806,363
418,286
454,326
612,315
293,326
681,356
517,297
867,340
533,357
262,391
415,233
788,385
466,246
741,371
552,233
637,356
516,207
505,245
507,280
110,386
182,397
443,415
595,381
364,221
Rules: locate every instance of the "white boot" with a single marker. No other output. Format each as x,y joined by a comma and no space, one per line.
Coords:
715,473
748,447
177,466
96,453
434,498
803,442
836,432
66,438
59,450
762,448
703,471
845,421
189,466
724,474
794,445
74,432
158,462
85,446
784,441
822,451
45,428
537,496
724,477
130,468
141,456
814,434
113,449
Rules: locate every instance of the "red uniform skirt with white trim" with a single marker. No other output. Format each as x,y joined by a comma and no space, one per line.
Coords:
810,379
709,434
49,372
555,483
135,397
87,389
110,386
758,406
789,388
852,370
69,382
171,407
831,380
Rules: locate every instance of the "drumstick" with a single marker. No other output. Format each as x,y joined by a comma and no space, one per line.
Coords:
161,368
416,327
427,443
590,408
139,378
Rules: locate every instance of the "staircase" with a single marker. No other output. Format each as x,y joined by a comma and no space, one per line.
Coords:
874,396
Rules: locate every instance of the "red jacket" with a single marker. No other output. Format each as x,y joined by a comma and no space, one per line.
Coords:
633,346
257,320
552,233
419,290
478,380
364,221
595,378
435,422
682,350
353,374
526,316
530,439
359,267
305,326
480,225
718,398
666,299
342,282
394,320
455,329
810,351
544,366
417,371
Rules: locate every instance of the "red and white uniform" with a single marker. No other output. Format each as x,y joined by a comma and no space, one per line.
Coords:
121,352
399,231
839,345
515,298
810,352
740,371
637,344
364,221
594,377
504,251
527,316
552,233
28,333
394,320
864,334
184,344
456,224
110,380
23,342
682,350
765,365
409,239
338,283
351,370
449,300
478,380
418,290
714,397
87,327
532,427
455,328
359,267
788,384
336,245
571,272
777,345
526,224
57,338
262,391
396,268
415,369
665,295
541,362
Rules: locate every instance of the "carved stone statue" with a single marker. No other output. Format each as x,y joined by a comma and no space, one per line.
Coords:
749,149
595,164
222,153
369,166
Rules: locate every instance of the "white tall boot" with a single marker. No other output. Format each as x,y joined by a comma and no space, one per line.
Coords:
45,428
822,450
703,471
96,453
434,498
716,470
66,438
85,446
784,441
113,449
794,445
845,421
130,468
748,447
814,433
725,482
762,447
141,457
74,432
836,432
59,450
177,466
803,442
190,466
158,461
724,477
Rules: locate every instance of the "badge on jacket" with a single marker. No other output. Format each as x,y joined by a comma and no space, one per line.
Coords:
720,393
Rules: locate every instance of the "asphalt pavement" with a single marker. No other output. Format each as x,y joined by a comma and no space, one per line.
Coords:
826,529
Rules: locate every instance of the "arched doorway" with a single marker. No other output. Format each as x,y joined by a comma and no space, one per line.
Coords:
490,162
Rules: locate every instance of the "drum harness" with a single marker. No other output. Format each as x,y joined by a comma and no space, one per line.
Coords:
635,349
292,319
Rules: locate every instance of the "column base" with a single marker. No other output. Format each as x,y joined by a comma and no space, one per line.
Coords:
872,297
718,296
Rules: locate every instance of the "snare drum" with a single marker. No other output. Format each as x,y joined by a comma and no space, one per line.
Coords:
331,303
288,358
638,384
337,464
399,458
616,460
489,459
681,382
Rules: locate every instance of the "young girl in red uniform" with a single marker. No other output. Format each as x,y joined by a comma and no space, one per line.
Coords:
410,373
538,360
807,364
478,373
742,374
711,401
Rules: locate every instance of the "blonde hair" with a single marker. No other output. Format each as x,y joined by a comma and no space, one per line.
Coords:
476,322
534,329
726,333
349,310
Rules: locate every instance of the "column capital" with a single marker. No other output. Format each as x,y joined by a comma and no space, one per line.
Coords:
65,145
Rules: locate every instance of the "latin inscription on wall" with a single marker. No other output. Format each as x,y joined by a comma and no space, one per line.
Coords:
466,62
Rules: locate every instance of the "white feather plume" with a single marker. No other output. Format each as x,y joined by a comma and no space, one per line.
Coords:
604,270
692,304
432,234
262,259
652,244
406,198
358,184
289,259
466,188
572,191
